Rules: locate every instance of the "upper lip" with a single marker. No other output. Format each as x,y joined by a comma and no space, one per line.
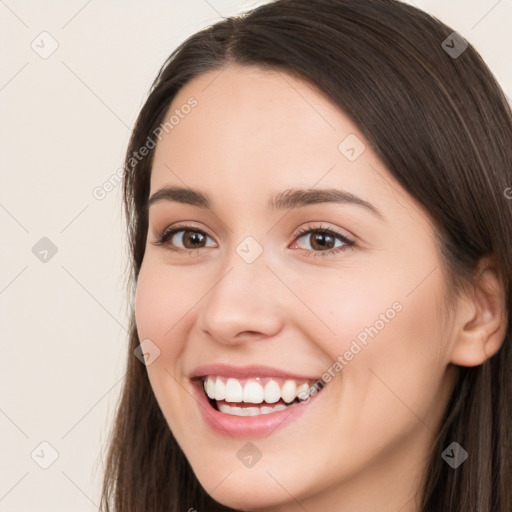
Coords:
242,372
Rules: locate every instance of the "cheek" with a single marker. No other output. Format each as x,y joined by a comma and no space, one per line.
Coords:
161,306
150,307
385,344
376,313
346,308
397,371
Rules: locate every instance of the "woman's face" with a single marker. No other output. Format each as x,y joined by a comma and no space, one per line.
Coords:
265,290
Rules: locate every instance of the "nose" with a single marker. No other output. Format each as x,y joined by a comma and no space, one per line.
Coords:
243,304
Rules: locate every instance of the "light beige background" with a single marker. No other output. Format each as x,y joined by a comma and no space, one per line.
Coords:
65,123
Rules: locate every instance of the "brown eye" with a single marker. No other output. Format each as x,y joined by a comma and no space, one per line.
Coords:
323,240
184,238
191,239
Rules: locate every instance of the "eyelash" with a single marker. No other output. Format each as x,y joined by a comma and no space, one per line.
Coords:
165,235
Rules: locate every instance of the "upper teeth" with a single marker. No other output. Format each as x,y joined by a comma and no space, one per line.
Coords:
232,390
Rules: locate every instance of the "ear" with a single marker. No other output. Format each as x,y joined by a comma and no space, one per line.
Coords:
481,322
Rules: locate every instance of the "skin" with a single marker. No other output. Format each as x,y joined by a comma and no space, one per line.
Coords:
253,134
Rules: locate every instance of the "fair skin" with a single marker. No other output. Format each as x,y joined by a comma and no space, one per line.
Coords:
364,440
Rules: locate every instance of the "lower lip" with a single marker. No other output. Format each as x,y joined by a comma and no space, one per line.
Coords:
245,427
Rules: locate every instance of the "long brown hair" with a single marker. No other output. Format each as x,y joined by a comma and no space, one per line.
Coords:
441,124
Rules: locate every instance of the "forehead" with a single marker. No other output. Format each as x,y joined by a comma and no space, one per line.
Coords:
253,133
254,120
245,108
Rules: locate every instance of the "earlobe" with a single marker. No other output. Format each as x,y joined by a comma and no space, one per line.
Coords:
481,319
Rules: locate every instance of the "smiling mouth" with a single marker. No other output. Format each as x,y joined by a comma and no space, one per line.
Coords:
256,396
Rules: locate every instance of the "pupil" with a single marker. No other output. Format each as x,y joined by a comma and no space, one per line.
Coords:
195,237
323,240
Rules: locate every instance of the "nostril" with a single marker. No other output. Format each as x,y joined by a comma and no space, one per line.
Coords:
249,333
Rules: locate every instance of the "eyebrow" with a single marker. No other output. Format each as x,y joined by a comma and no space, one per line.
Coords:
288,199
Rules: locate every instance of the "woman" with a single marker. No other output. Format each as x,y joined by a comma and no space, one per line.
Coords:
320,223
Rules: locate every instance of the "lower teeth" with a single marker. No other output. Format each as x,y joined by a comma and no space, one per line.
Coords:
252,411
